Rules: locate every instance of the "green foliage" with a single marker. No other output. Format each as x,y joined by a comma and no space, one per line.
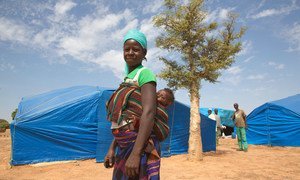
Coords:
3,125
205,48
13,114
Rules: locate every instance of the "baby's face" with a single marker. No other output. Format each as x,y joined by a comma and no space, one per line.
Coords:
163,98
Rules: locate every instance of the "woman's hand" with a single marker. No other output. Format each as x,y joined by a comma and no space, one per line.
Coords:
109,159
132,165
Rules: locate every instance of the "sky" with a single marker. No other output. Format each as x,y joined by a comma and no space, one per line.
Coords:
49,45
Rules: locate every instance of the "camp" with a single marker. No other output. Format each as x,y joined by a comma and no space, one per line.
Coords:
275,123
70,124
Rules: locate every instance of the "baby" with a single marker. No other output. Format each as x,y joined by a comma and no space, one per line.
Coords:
132,112
165,97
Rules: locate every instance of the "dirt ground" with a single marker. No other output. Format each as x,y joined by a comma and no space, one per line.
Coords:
260,162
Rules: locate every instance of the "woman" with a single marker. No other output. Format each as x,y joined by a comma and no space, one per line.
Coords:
138,155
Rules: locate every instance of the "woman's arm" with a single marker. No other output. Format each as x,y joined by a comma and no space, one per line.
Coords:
109,159
148,92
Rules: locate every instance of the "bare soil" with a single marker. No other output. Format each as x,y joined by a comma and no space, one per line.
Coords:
260,162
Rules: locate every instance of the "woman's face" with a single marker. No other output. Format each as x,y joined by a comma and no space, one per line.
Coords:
133,53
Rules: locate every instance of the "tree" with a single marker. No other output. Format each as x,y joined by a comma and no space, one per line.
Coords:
3,125
13,114
204,49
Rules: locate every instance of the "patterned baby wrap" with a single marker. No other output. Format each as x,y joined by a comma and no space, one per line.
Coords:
126,102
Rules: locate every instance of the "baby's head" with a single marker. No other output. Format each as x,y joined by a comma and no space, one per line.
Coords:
165,97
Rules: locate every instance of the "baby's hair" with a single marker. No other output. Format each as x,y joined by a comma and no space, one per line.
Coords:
172,97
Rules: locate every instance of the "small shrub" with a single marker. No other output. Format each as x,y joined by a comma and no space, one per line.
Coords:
3,125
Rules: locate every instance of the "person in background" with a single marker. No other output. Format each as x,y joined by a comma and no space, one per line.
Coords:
240,122
210,114
219,126
213,117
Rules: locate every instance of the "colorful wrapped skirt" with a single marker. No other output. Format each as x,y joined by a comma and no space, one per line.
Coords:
150,159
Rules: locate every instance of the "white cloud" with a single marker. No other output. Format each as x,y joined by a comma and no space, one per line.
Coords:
261,4
63,7
47,38
280,66
223,14
234,70
276,65
256,77
150,31
118,34
4,66
271,81
248,59
292,35
91,34
152,59
93,38
61,10
274,12
89,38
271,63
211,16
218,15
14,31
235,80
246,48
152,6
255,91
112,60
265,13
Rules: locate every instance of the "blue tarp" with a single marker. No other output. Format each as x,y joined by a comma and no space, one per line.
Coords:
275,123
71,123
55,126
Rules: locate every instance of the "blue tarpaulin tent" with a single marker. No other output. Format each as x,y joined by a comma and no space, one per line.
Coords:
275,123
71,123
58,125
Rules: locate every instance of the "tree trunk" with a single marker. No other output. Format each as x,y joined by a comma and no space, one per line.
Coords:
195,142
